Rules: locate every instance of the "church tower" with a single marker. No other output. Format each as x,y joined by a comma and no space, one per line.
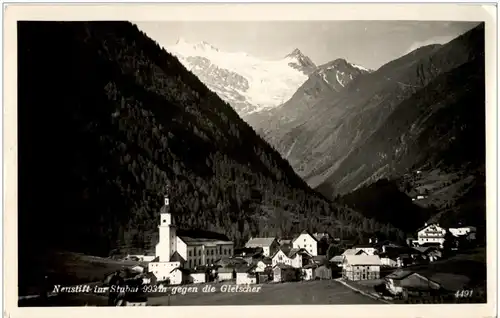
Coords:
167,244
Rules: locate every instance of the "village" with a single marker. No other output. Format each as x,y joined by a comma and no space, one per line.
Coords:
381,270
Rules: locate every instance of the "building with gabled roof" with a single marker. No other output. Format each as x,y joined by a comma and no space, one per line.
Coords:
269,245
307,241
361,267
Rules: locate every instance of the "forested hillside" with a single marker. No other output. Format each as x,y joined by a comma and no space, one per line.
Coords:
107,118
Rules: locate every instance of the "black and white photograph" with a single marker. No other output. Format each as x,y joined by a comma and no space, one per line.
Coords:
272,162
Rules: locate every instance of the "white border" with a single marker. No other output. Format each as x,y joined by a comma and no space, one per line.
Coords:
249,12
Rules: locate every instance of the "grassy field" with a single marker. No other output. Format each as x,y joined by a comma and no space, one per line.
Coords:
66,269
297,293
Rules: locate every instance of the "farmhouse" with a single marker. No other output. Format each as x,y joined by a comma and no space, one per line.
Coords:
226,273
245,275
269,245
404,281
308,271
263,264
179,276
294,257
361,267
307,241
431,233
285,273
198,276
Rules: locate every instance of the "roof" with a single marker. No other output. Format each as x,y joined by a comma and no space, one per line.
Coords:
283,266
245,269
350,251
363,259
182,270
399,274
310,266
337,258
203,241
451,282
260,241
176,257
304,232
427,225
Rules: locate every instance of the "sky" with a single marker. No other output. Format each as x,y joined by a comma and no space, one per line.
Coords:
367,43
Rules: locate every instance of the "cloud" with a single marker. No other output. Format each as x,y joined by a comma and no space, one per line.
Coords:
434,40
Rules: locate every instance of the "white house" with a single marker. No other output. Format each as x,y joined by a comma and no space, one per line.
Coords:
246,276
269,245
391,261
261,265
198,277
308,271
462,231
431,233
225,273
306,241
361,267
294,257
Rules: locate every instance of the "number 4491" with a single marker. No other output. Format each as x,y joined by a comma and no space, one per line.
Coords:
463,293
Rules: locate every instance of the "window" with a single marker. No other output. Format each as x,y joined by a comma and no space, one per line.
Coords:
199,252
189,253
304,240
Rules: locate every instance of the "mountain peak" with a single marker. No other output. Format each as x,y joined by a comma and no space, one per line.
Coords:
295,53
202,45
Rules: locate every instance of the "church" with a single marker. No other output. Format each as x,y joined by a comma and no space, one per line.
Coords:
176,252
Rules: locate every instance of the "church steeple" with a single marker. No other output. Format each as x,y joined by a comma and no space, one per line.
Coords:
165,216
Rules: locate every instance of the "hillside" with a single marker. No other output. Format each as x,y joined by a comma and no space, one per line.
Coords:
323,139
323,83
107,118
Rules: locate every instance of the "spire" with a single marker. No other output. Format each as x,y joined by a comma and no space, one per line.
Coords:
167,195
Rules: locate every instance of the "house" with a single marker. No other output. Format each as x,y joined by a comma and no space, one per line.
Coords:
138,269
323,272
245,275
391,260
337,260
361,267
269,245
463,231
306,241
308,271
285,273
324,239
262,264
403,281
179,276
294,257
198,275
431,233
226,273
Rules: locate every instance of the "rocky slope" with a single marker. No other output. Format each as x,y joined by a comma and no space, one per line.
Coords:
247,83
322,143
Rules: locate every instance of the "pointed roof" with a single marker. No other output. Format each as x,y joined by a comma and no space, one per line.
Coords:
304,232
176,257
260,241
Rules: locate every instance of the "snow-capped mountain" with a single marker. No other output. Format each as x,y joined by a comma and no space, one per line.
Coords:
325,81
247,83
